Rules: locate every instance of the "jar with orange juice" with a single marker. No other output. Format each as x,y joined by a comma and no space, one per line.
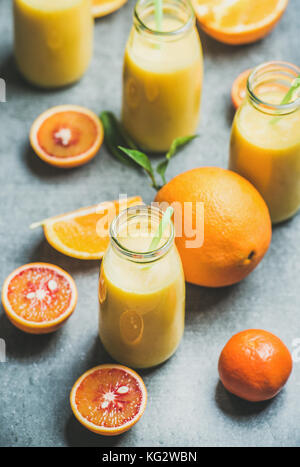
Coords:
141,290
162,76
265,137
53,40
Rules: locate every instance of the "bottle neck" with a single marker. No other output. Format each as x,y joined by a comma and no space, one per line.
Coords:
178,19
131,233
273,79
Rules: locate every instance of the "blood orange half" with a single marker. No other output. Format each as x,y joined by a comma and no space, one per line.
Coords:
66,135
109,399
38,297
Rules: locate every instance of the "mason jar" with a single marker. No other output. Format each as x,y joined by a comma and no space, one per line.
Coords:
162,75
265,138
53,40
141,291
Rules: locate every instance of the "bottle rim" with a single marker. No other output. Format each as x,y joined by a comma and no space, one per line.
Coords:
186,26
130,213
284,70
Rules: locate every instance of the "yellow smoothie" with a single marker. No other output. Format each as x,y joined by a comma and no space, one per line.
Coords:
141,303
268,154
162,81
53,40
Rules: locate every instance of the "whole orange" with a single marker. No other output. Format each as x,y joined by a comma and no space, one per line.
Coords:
235,222
255,365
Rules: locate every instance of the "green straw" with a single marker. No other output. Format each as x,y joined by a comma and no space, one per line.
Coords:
161,228
295,84
158,14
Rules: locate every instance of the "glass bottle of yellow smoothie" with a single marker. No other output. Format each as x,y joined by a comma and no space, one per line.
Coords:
141,292
265,138
162,75
53,40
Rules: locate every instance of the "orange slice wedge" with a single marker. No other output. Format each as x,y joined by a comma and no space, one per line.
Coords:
238,90
66,136
84,233
105,7
38,298
131,327
238,21
109,399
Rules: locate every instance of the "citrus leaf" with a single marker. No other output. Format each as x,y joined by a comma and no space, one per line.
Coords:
176,145
141,160
161,169
114,136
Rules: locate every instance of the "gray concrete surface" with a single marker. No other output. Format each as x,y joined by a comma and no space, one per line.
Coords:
187,404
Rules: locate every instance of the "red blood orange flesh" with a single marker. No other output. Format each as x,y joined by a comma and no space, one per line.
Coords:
39,297
109,399
66,136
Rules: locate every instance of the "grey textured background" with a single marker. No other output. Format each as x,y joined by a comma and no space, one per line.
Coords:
187,405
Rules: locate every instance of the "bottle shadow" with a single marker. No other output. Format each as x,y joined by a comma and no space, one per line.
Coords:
212,47
17,84
97,355
11,75
229,113
205,299
43,252
22,346
285,223
76,435
42,169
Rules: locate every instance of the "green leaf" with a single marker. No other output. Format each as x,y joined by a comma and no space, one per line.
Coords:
139,157
176,145
121,146
161,169
129,142
114,136
141,160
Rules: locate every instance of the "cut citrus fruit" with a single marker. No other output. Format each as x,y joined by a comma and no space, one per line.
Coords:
131,327
38,297
238,90
66,136
102,288
239,87
109,399
84,233
238,21
105,7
